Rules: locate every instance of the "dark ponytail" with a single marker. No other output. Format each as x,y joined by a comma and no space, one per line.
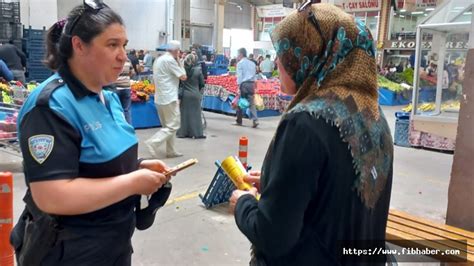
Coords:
81,22
52,45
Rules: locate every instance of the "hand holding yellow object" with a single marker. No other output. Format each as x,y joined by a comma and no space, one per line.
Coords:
236,172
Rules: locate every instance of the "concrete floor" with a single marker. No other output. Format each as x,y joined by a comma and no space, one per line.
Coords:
185,233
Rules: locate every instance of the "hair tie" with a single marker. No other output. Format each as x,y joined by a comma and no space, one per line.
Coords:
58,30
60,24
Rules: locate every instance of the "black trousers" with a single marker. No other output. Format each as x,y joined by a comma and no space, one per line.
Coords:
247,91
90,251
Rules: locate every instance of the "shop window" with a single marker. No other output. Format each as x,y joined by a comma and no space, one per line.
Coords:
404,23
371,19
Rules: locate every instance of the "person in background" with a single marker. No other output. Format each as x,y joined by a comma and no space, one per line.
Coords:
80,159
167,73
141,55
253,60
190,101
182,56
132,56
204,67
123,90
233,62
259,62
246,71
148,61
5,72
15,60
326,179
267,67
197,48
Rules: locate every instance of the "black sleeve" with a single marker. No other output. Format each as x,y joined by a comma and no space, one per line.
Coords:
22,57
201,81
50,146
274,223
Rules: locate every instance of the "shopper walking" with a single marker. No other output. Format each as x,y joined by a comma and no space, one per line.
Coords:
167,72
246,71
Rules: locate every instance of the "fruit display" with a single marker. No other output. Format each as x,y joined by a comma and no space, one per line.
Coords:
228,82
390,85
141,90
13,92
262,87
450,106
269,86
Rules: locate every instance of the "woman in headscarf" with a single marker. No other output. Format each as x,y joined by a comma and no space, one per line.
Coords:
326,179
191,96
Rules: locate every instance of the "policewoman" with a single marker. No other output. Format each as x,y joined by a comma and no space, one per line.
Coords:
80,154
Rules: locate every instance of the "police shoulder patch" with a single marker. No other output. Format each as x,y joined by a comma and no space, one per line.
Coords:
40,147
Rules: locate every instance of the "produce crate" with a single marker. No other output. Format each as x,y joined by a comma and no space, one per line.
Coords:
402,129
219,190
391,98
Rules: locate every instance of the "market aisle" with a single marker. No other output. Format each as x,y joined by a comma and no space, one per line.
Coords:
185,233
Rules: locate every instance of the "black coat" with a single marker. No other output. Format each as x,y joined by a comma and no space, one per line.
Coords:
309,207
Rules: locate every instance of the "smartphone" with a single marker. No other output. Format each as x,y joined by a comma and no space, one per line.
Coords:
181,166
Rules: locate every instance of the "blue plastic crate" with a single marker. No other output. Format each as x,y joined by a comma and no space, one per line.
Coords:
388,97
402,129
34,33
217,71
219,190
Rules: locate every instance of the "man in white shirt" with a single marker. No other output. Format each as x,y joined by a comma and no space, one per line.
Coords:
167,72
267,67
246,70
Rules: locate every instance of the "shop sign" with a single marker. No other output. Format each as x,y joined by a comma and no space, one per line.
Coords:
272,11
410,44
425,3
361,5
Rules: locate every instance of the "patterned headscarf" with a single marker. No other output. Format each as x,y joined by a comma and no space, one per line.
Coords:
331,58
189,62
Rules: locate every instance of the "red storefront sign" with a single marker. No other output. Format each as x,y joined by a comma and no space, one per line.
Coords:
361,5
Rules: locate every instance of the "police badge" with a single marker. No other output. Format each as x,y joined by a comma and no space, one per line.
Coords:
40,147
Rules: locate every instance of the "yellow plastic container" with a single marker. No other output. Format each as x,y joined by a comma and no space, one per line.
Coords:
236,172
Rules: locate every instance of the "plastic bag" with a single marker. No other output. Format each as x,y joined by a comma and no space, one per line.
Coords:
243,103
258,100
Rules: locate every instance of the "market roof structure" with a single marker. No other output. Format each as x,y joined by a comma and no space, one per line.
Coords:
452,16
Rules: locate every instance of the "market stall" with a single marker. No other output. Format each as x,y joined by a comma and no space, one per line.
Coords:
220,91
438,86
12,96
143,110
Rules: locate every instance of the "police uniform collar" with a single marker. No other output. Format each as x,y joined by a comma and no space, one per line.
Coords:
77,88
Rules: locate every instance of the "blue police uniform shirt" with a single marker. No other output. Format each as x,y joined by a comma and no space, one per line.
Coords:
78,135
